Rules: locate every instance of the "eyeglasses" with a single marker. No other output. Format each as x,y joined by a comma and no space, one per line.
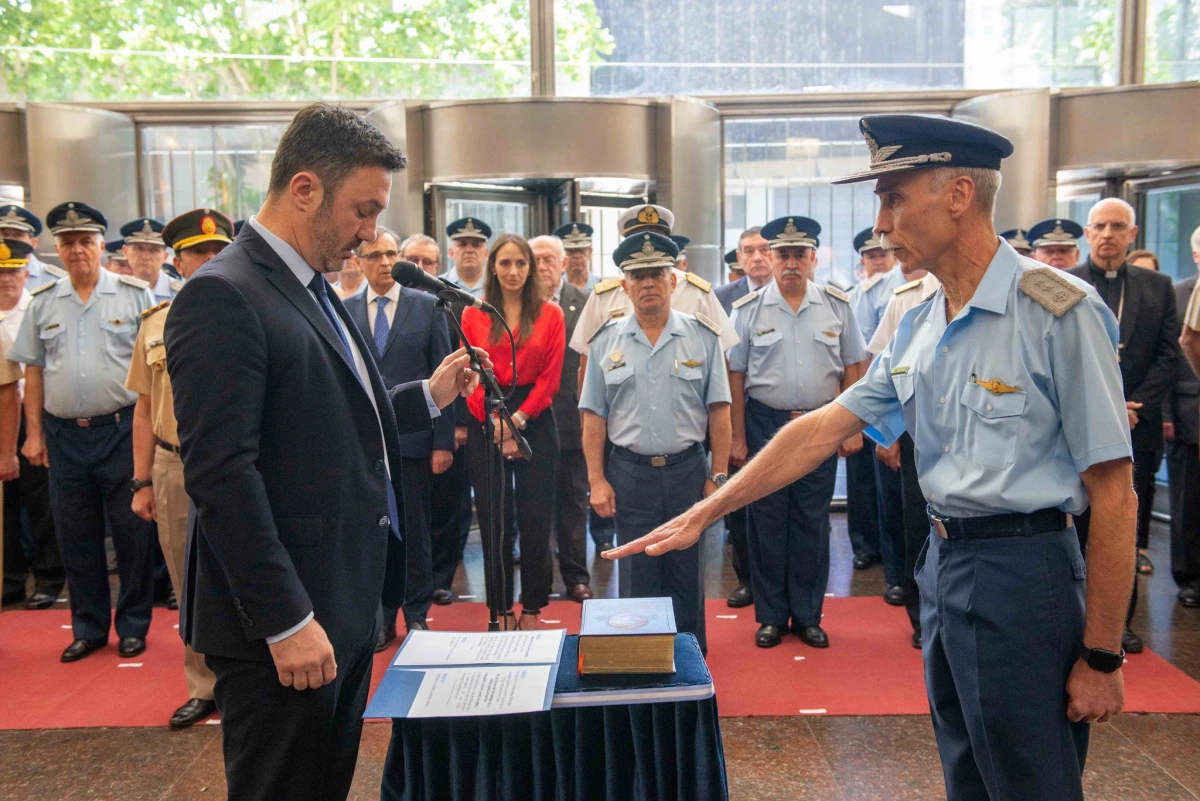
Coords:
374,258
1116,227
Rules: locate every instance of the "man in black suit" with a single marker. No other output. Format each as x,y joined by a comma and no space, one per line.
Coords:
409,339
1181,428
1144,303
570,513
291,453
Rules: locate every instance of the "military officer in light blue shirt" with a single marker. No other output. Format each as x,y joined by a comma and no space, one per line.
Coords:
77,341
1007,378
577,242
145,251
655,386
800,347
870,297
469,251
23,225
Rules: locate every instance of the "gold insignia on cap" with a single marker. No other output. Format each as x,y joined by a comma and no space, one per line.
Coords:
147,228
14,220
575,230
74,218
5,252
470,227
648,246
648,216
208,226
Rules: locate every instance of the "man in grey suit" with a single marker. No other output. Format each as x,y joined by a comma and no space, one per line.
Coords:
570,513
1181,429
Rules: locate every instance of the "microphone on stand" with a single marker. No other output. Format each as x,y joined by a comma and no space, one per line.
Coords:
405,273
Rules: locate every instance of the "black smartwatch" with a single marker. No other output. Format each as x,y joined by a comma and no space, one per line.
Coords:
1101,660
137,484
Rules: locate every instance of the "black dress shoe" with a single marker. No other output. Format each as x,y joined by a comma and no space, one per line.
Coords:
814,636
131,646
1189,597
917,640
191,713
443,597
40,600
895,595
81,648
172,601
739,598
863,562
580,593
387,633
416,625
768,636
1131,643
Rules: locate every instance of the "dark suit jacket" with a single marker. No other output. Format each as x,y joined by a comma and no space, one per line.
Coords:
1149,348
566,402
283,458
418,341
1182,406
727,294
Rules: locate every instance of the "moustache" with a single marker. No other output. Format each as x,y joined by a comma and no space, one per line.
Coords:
886,243
792,272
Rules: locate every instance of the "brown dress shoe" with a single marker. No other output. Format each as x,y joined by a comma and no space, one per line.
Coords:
580,593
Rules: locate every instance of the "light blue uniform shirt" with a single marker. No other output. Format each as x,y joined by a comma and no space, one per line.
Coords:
870,300
979,453
795,361
41,273
656,397
84,350
166,288
476,290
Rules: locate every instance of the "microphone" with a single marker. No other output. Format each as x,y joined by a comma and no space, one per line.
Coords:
408,274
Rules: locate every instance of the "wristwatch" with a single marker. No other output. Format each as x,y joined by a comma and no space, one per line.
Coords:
1101,660
138,484
719,478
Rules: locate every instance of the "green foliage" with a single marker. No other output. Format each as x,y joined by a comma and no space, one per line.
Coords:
282,50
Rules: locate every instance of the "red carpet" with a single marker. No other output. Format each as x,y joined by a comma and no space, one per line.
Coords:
870,669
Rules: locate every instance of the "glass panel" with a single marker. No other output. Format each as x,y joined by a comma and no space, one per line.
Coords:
226,167
270,49
1172,41
1172,215
605,238
1075,205
504,217
783,166
791,46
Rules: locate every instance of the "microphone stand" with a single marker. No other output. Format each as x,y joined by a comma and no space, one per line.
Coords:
493,540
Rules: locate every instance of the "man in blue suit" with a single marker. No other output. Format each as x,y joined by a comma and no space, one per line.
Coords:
409,338
754,259
292,459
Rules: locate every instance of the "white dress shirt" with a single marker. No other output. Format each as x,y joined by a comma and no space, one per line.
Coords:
393,296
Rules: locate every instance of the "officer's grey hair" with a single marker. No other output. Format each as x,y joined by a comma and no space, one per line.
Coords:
421,239
1119,203
552,241
987,185
1196,240
380,231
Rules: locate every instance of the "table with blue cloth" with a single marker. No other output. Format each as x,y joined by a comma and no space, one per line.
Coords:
669,749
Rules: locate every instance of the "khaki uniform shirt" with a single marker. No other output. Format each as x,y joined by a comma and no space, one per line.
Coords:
148,374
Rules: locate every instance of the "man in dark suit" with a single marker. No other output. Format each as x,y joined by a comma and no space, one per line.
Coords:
570,513
292,458
1181,428
409,339
1144,303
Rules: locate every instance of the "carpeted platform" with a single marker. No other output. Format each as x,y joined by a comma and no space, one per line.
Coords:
869,669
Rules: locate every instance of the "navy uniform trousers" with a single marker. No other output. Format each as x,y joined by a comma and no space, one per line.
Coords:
862,504
1002,620
28,496
916,527
648,496
1183,471
789,534
890,499
89,485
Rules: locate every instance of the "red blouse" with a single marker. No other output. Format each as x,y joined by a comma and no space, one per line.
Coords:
539,358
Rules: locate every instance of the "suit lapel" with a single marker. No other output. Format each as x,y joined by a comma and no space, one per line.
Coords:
403,307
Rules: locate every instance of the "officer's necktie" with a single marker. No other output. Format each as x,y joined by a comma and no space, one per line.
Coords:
381,326
320,288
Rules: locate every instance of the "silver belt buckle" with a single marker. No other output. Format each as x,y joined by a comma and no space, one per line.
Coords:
658,461
939,526
83,422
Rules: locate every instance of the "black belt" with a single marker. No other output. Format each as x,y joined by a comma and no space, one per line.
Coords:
689,452
1044,521
162,443
791,414
98,420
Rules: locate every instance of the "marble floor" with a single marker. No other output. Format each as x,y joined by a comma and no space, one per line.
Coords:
795,758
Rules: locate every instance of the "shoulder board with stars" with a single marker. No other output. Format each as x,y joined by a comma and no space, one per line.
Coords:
707,323
1055,293
900,290
697,281
607,285
607,324
153,309
176,285
133,281
744,299
834,292
42,288
56,271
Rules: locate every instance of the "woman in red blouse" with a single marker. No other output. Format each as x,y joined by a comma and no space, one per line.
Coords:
512,287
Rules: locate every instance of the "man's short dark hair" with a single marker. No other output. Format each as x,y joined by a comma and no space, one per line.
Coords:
331,142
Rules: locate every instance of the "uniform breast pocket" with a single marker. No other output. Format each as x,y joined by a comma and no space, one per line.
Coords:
903,382
616,379
119,336
763,350
156,356
828,345
993,424
53,343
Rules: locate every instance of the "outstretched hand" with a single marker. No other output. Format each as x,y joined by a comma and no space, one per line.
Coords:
674,535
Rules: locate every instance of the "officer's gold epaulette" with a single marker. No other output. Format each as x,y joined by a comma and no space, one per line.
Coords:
56,271
1047,286
834,292
607,285
133,281
606,324
153,309
744,299
697,281
900,290
707,323
42,288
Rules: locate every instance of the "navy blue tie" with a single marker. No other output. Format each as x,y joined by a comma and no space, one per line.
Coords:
320,288
381,326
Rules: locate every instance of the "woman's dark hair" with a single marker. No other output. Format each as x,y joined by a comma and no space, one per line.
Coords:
331,142
531,294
